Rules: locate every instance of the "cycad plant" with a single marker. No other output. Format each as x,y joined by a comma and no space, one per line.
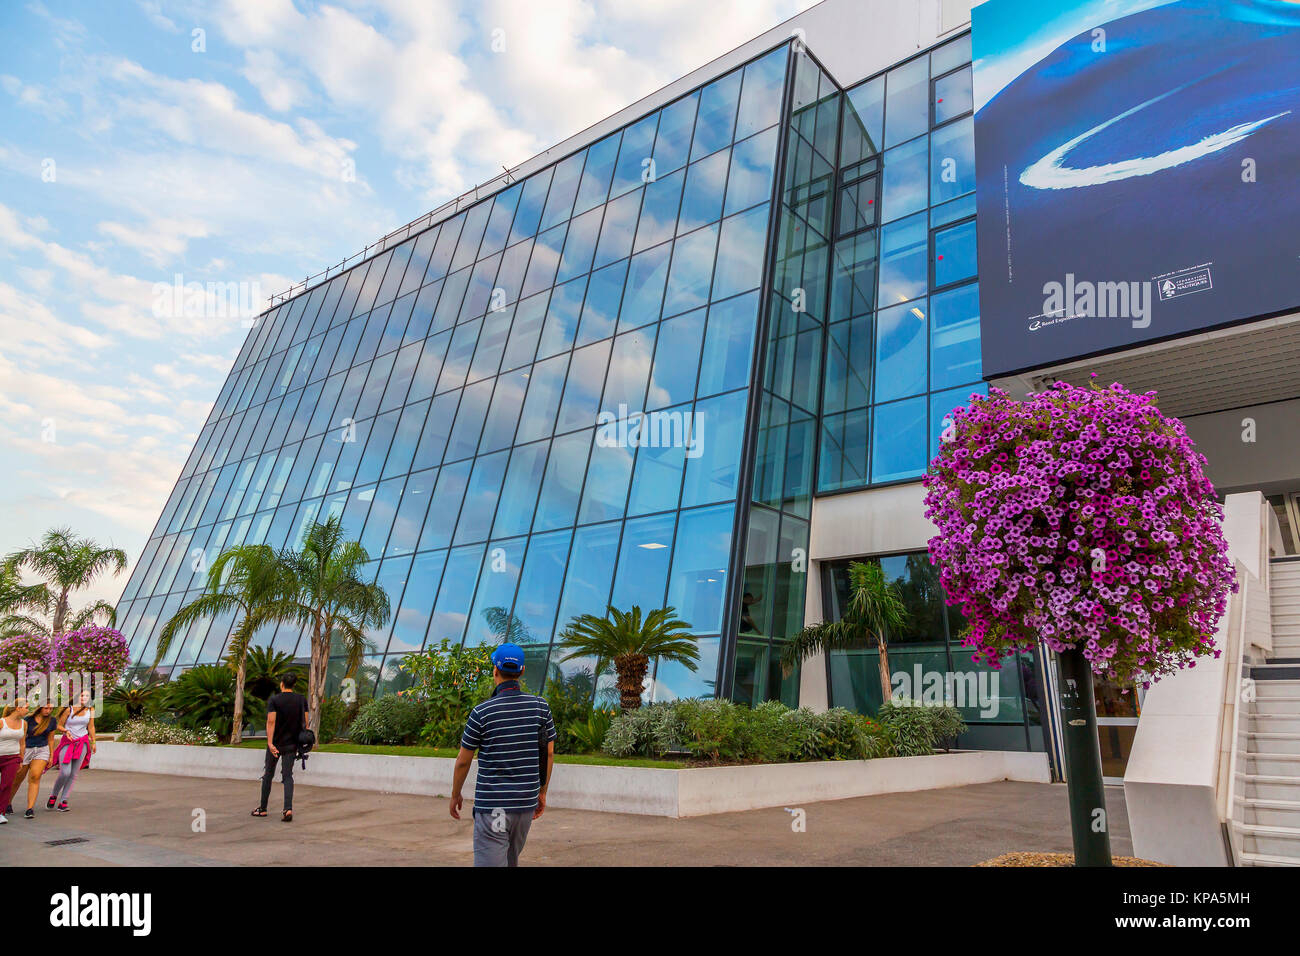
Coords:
203,696
874,610
248,582
326,592
629,641
68,564
265,669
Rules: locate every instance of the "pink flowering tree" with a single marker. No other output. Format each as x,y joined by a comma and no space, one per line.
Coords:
1081,517
23,654
90,650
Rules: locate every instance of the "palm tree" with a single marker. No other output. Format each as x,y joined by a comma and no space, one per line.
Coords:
69,564
248,582
325,592
137,694
266,669
873,611
629,641
16,599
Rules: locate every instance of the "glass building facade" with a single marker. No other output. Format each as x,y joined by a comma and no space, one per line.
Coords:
620,380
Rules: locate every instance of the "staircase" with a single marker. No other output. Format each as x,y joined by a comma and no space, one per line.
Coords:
1267,819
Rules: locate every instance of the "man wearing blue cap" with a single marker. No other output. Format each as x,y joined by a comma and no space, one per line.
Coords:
514,736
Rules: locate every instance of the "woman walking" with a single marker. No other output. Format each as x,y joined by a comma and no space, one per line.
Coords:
40,724
77,724
13,734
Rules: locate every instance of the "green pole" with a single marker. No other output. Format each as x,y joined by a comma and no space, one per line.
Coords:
1089,825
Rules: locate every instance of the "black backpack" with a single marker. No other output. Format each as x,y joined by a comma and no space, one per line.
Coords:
306,740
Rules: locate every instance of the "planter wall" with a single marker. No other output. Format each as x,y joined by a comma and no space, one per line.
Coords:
656,792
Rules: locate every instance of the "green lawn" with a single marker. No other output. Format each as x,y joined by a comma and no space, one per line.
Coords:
599,760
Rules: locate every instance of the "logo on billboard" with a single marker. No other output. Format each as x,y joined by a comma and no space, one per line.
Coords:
1185,282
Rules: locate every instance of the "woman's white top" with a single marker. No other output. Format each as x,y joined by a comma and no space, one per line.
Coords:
11,739
77,725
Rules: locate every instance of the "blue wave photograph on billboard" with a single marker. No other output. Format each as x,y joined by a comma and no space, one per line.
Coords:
1136,165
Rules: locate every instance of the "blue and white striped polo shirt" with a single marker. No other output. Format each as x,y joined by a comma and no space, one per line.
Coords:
505,730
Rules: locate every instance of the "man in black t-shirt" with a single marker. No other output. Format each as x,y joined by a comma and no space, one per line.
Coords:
286,716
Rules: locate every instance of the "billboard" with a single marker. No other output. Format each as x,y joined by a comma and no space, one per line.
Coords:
1138,171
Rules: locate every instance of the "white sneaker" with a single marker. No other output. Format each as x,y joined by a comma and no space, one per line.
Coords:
3,818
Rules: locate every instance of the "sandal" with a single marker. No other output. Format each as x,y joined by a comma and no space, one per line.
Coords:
259,812
286,816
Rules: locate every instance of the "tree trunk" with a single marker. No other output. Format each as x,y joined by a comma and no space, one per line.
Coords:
320,655
631,670
60,614
237,724
886,684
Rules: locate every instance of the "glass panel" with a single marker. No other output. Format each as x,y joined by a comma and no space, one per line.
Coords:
634,155
676,361
698,585
761,93
643,562
582,391
900,351
899,440
673,141
713,449
843,451
545,385
539,586
481,496
490,622
907,101
644,291
706,182
586,589
596,175
904,260
410,513
864,113
740,253
605,494
412,616
954,254
601,306
451,612
728,344
952,161
562,317
952,96
717,117
562,486
658,219
692,268
519,493
905,178
445,506
942,403
750,179
559,203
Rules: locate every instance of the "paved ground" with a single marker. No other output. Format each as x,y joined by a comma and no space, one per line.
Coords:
133,819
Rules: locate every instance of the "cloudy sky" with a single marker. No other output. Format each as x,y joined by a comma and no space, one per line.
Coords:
251,141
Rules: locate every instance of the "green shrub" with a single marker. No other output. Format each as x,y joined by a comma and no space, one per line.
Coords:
646,732
449,681
722,731
145,731
111,719
335,716
569,697
588,736
391,719
916,728
205,697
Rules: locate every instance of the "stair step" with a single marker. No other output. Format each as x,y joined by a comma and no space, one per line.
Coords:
1274,723
1270,840
1278,765
1276,706
1273,744
1278,688
1263,859
1272,671
1263,786
1280,813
